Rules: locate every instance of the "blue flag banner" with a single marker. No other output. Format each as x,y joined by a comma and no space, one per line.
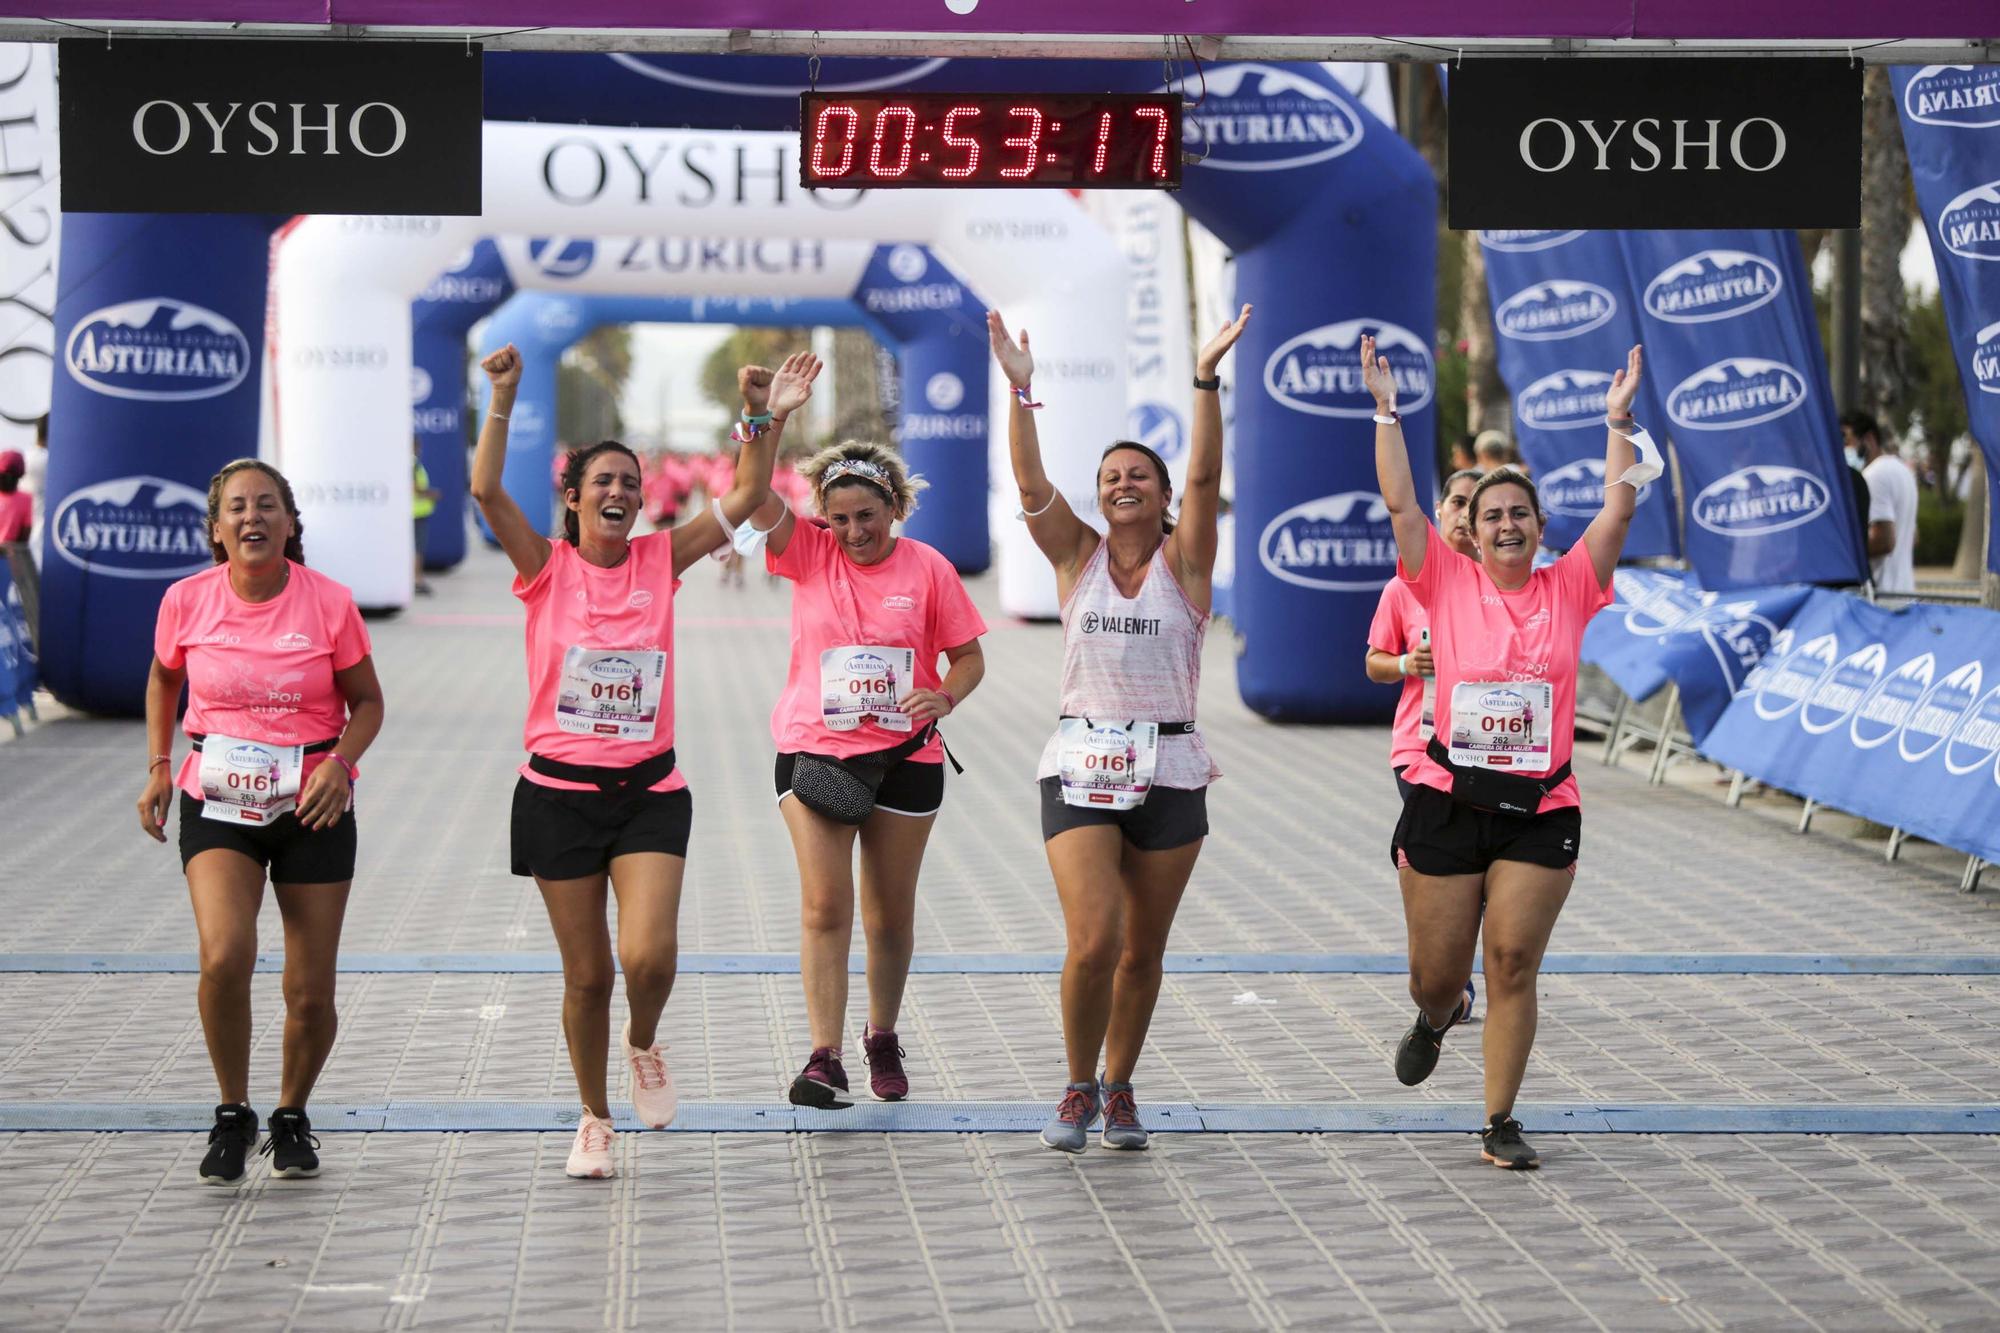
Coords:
1951,126
439,319
1890,715
1564,315
1665,627
1733,350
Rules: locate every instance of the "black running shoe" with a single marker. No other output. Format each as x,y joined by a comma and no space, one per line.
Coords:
1417,1054
291,1144
823,1083
234,1135
1501,1144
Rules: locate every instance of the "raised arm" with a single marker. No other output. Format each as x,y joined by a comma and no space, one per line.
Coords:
778,394
1191,546
1063,537
524,545
1605,537
1392,462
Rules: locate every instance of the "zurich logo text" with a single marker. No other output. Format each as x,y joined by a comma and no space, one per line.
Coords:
1319,371
1715,284
1558,308
1566,400
157,350
1266,118
1961,96
1338,542
1759,499
561,256
1736,391
134,528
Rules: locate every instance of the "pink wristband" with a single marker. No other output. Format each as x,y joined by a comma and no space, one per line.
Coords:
353,773
949,698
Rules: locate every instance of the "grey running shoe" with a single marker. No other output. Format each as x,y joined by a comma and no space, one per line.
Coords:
1501,1144
1070,1130
1121,1119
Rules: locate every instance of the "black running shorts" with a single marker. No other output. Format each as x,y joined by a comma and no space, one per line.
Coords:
563,834
1171,816
1440,836
911,787
291,852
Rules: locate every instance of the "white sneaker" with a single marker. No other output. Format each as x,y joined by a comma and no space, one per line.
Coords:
653,1098
590,1155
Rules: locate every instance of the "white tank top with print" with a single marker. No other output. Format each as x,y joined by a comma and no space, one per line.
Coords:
1135,659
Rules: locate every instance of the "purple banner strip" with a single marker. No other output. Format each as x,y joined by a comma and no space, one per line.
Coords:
1432,20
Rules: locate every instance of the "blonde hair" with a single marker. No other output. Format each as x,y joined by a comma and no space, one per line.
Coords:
890,478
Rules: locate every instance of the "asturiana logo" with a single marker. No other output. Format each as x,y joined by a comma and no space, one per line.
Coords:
1986,358
249,758
1759,499
1963,97
1521,242
1558,308
1319,371
1970,224
1566,400
1576,489
157,350
134,528
291,643
1264,118
614,668
1736,391
1711,285
1338,542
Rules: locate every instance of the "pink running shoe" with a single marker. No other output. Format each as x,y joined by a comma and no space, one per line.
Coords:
590,1155
884,1054
653,1098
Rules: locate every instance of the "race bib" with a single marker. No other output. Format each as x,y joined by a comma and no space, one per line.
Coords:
611,692
1427,711
862,682
1502,724
249,782
1106,765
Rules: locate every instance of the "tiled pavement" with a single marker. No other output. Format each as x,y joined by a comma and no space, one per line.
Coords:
977,1231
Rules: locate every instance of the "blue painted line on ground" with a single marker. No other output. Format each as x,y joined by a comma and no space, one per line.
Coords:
954,964
869,1117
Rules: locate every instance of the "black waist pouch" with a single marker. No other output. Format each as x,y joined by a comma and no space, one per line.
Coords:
1490,789
844,790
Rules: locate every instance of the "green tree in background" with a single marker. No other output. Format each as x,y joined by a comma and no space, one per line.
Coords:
746,347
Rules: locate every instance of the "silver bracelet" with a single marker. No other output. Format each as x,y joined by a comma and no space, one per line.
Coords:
499,416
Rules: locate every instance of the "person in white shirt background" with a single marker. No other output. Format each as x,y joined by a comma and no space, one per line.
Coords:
1892,505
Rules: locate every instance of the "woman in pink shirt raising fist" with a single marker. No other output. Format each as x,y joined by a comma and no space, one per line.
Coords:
859,759
1492,818
600,799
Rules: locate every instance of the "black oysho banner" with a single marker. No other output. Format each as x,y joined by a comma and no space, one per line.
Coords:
321,126
1644,143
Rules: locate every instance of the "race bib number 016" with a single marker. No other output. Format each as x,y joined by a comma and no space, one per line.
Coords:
859,683
1502,724
1105,765
249,782
611,692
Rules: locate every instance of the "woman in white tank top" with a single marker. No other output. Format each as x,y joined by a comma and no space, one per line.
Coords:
1124,777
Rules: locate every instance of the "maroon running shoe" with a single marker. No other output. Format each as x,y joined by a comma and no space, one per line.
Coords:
823,1082
885,1064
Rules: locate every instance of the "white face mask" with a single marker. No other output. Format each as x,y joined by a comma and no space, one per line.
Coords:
1853,456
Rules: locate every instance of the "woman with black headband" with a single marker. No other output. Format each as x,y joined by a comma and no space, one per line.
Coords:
859,758
1124,779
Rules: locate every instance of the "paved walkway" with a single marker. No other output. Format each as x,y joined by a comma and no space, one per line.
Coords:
1701,1125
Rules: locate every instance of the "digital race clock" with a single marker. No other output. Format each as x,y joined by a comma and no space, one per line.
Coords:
1110,141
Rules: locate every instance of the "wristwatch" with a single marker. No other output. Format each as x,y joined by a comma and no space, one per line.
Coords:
1209,386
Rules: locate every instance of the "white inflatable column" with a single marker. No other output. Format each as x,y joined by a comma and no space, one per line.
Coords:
339,353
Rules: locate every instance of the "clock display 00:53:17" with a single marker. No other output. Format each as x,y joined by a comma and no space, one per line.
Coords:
1060,140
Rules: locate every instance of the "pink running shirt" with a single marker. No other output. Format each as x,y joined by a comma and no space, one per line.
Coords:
1398,618
1483,632
573,602
911,599
260,671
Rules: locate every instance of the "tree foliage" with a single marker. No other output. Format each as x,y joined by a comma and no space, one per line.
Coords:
746,347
